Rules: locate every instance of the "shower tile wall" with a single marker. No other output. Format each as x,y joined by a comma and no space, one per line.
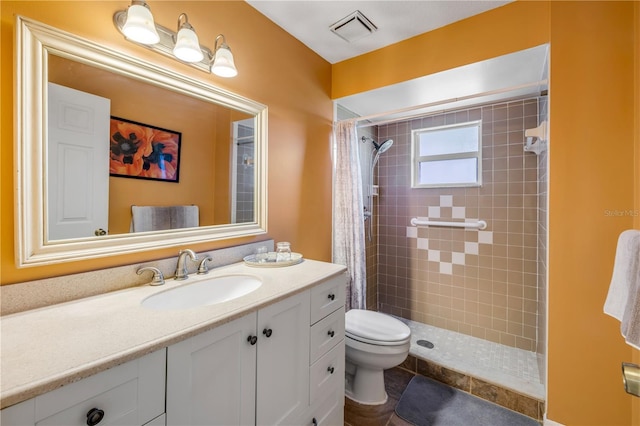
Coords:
543,183
481,283
245,170
371,247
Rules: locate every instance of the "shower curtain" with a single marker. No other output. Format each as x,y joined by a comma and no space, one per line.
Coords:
348,217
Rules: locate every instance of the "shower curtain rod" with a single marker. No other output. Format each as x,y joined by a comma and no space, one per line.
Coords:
442,102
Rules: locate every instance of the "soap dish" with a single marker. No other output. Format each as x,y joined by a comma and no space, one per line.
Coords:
270,262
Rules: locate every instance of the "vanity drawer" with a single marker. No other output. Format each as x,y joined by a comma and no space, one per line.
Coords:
118,406
327,374
128,394
325,334
327,412
327,297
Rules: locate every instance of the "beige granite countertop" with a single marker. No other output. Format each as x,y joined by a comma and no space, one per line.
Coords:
49,347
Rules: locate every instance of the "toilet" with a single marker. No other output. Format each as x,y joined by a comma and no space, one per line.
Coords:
374,342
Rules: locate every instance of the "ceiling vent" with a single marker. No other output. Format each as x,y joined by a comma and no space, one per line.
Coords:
353,27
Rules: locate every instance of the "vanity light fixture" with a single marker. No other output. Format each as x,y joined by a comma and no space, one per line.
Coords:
223,64
137,21
187,46
139,25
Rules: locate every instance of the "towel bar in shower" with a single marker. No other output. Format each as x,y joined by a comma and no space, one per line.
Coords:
480,224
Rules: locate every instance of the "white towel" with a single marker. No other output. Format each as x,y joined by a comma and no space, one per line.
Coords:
158,218
623,300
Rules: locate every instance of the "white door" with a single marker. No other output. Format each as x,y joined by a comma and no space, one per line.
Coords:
211,376
283,361
78,164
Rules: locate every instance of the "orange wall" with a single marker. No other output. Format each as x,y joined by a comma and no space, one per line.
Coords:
592,151
292,80
635,417
591,173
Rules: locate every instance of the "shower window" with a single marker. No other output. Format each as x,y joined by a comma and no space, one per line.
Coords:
447,156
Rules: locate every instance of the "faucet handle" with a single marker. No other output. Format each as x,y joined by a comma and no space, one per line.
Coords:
202,267
158,278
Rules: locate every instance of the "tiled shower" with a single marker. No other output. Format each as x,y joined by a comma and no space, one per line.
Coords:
487,283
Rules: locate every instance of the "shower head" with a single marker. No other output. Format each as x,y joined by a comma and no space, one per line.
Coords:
379,148
384,146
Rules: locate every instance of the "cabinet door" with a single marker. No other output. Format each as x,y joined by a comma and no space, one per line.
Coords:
211,377
283,361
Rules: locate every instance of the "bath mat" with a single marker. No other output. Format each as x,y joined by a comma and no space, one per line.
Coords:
426,402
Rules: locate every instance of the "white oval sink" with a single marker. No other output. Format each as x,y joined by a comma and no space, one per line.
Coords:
202,293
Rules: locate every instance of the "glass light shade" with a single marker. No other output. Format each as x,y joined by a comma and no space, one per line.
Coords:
187,46
139,26
223,64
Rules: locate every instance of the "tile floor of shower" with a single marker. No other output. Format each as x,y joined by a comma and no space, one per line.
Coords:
502,365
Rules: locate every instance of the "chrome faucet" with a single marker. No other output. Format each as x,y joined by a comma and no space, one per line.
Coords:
182,272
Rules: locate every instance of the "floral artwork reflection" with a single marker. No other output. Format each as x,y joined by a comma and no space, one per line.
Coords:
142,151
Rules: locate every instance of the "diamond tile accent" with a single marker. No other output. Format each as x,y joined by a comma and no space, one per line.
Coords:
457,258
446,201
446,268
446,210
458,213
423,244
485,237
470,248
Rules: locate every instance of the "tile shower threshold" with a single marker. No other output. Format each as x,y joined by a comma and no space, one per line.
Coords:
507,367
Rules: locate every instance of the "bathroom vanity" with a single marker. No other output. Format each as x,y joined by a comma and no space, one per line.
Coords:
273,356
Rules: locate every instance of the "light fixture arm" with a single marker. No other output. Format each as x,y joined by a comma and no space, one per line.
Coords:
184,23
223,44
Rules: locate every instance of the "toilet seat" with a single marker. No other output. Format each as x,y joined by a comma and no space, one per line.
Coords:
375,328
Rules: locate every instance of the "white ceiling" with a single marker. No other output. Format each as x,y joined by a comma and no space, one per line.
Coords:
396,20
515,75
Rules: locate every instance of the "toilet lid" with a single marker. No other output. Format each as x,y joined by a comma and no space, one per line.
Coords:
375,327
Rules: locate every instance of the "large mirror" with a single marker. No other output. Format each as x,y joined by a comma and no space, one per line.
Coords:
116,155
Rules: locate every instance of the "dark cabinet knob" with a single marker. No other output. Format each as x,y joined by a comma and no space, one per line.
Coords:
330,370
267,332
331,296
331,333
252,339
314,422
94,416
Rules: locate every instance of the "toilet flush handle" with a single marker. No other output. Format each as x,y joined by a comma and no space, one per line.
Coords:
331,296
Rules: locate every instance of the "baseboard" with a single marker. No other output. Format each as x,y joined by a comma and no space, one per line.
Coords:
548,422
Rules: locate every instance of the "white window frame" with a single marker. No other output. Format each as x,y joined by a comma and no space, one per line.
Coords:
416,159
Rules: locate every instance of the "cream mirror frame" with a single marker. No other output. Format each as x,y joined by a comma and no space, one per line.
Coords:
34,42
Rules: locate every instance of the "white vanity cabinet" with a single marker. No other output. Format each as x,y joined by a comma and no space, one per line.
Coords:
326,354
130,394
211,376
282,393
281,365
253,370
